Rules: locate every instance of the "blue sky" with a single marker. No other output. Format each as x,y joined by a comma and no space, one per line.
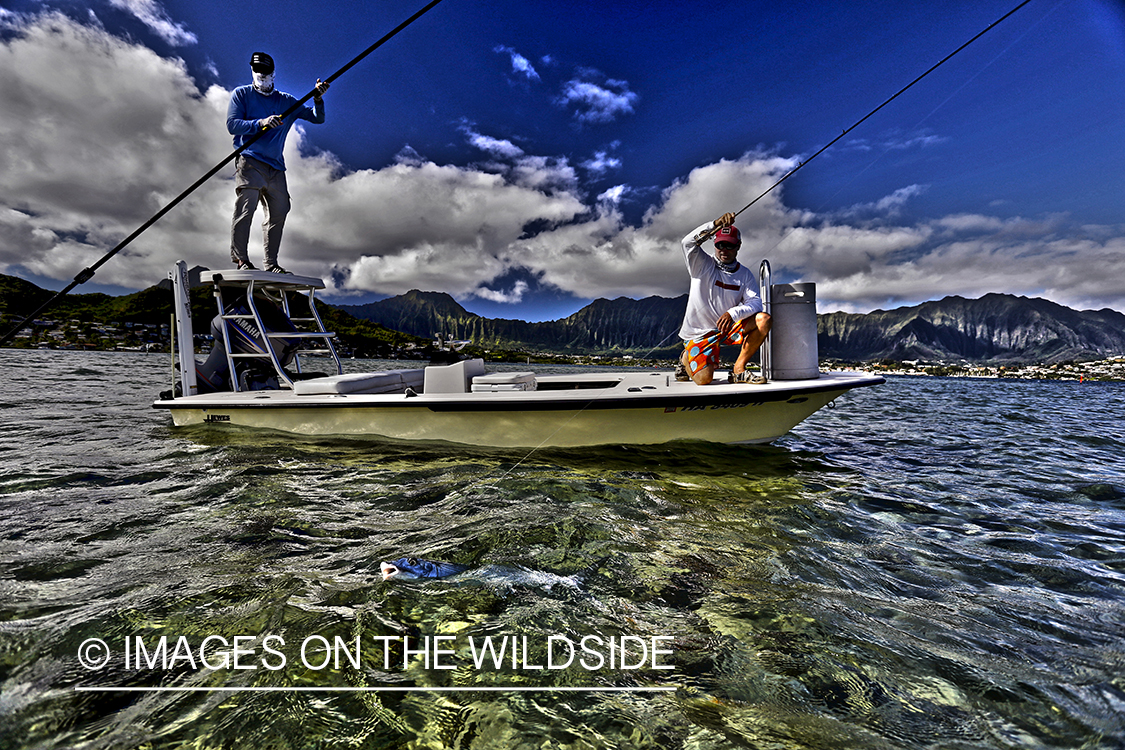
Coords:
529,157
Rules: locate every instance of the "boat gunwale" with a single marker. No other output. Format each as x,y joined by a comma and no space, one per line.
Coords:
582,399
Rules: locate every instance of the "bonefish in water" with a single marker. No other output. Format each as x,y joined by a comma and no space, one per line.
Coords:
411,569
499,576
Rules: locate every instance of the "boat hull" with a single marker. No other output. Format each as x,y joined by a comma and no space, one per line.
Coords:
648,408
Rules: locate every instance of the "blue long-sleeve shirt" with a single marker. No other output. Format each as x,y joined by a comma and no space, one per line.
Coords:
248,108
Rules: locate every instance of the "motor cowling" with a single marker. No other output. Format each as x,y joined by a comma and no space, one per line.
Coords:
247,337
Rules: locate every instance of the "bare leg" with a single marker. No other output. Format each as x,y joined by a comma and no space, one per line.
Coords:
754,332
703,375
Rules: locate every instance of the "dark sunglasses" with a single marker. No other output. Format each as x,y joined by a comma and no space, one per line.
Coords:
726,246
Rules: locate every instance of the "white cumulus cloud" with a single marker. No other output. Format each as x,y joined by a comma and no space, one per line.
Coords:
511,297
598,103
601,162
520,64
152,15
87,157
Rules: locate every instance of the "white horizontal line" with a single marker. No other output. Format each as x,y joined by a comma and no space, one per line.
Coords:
115,689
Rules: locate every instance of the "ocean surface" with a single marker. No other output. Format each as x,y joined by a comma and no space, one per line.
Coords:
933,563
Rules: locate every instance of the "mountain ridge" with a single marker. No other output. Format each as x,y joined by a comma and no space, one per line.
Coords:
622,324
995,328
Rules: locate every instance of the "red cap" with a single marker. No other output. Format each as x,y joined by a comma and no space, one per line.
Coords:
729,234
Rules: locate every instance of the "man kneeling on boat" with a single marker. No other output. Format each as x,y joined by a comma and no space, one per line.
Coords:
722,307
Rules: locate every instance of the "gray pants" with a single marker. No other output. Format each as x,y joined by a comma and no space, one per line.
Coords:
256,181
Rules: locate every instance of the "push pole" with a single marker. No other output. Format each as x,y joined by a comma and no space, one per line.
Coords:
88,273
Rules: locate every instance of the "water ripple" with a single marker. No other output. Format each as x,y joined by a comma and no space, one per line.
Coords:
933,563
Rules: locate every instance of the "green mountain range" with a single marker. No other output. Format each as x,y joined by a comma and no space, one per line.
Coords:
997,328
604,326
19,298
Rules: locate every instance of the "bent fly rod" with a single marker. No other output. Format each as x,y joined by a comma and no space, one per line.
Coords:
88,273
863,119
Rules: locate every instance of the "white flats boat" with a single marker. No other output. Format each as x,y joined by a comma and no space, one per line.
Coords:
254,378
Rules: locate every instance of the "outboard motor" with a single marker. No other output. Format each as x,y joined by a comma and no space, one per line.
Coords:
213,374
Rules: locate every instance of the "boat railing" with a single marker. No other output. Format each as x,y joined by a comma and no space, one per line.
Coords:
766,350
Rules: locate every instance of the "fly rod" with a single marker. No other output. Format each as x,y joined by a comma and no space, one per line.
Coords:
863,119
88,273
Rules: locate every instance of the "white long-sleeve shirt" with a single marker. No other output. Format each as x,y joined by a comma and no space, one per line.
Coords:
713,291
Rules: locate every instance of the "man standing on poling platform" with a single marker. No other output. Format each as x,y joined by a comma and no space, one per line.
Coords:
260,169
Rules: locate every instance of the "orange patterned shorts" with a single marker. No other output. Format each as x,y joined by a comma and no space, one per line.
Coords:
705,351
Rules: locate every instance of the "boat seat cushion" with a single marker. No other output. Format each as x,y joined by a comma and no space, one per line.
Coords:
388,381
454,378
504,381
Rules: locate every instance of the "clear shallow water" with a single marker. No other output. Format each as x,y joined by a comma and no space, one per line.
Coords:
933,563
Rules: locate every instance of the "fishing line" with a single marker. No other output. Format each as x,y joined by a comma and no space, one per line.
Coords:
783,178
88,273
789,232
517,464
544,441
866,117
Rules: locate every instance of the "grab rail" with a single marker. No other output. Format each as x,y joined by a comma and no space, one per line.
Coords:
765,353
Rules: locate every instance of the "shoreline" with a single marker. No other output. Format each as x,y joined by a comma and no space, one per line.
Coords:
1110,369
